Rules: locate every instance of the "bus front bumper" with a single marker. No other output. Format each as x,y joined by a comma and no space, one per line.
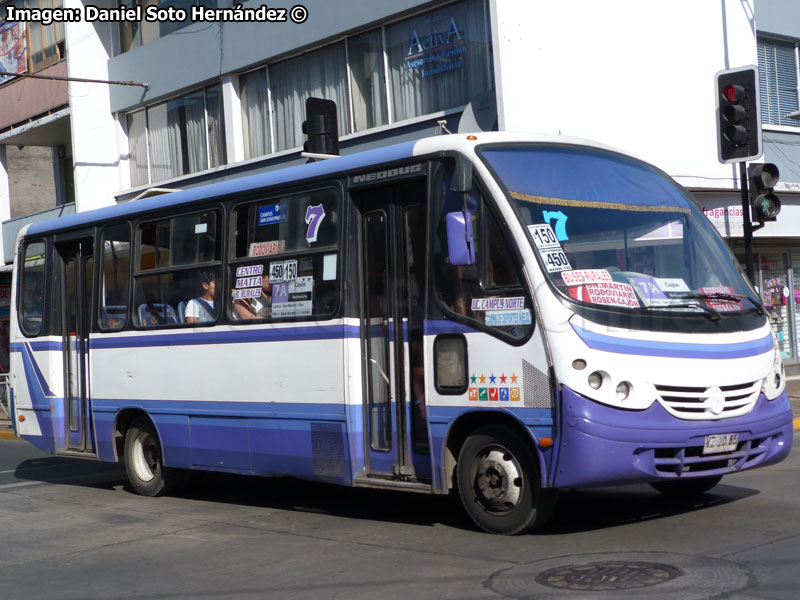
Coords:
601,445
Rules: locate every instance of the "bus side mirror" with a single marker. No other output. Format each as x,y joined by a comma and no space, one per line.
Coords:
460,244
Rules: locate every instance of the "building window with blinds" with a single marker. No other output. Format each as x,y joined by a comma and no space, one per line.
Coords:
321,74
419,66
180,136
438,60
778,71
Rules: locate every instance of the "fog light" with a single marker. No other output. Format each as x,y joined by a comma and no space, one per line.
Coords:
579,364
595,380
623,389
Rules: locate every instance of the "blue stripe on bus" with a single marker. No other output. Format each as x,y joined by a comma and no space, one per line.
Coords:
371,159
237,336
609,343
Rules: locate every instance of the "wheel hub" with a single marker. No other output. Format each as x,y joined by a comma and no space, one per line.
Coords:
498,480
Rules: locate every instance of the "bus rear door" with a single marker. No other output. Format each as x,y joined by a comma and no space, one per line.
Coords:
76,268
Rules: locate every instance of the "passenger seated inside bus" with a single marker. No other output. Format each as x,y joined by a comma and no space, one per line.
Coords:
203,308
255,308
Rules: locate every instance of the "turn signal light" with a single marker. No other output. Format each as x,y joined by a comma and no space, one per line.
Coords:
21,418
545,442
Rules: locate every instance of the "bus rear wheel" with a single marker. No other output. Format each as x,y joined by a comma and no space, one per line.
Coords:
144,462
686,488
498,480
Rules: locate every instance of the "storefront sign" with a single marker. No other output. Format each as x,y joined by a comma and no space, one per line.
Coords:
437,52
13,49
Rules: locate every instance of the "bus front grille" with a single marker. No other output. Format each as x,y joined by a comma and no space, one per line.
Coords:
709,402
677,462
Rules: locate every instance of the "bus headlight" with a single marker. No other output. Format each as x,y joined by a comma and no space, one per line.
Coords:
623,389
775,381
595,380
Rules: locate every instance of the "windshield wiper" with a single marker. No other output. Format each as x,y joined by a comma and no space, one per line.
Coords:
728,297
712,312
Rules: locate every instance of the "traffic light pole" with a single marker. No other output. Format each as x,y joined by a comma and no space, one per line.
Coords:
747,224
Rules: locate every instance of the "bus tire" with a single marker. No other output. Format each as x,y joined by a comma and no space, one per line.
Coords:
498,479
144,462
686,488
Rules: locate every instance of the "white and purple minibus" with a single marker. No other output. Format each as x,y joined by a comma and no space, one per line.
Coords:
495,315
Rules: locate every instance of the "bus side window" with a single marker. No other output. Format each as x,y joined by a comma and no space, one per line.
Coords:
178,271
31,296
487,293
116,259
285,262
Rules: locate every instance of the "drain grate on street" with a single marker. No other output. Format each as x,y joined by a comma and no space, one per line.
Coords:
608,575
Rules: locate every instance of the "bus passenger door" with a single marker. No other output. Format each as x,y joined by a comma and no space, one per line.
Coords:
76,286
392,250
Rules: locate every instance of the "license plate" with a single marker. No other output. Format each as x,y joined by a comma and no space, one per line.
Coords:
725,442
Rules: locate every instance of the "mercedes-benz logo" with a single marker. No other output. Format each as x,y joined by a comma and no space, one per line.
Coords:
715,403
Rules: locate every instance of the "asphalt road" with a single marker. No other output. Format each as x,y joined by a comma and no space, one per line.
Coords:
71,529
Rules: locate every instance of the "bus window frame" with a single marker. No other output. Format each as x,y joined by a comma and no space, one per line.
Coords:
47,283
488,203
232,261
136,272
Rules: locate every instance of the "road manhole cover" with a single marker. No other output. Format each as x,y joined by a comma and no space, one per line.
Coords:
621,576
608,575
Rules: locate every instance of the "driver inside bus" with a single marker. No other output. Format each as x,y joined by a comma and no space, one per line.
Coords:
203,308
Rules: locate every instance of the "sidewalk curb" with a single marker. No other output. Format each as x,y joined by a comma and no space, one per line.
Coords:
8,434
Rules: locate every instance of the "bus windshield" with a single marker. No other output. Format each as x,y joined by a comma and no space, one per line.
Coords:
616,234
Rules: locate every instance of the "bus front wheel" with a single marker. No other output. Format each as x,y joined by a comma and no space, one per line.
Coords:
143,459
498,480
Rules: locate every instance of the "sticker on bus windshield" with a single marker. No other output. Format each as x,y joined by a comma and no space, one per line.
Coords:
555,261
672,284
544,237
506,318
282,270
293,298
584,276
609,294
515,303
719,304
264,248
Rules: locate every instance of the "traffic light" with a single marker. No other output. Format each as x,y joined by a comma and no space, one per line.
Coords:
765,204
738,115
321,127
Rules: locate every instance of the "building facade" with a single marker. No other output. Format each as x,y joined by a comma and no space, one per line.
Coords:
210,97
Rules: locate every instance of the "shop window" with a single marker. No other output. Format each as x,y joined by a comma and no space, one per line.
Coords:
438,60
777,296
183,135
286,262
116,260
32,286
178,279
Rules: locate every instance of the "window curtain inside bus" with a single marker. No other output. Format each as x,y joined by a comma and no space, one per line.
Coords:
438,60
255,119
367,80
322,74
